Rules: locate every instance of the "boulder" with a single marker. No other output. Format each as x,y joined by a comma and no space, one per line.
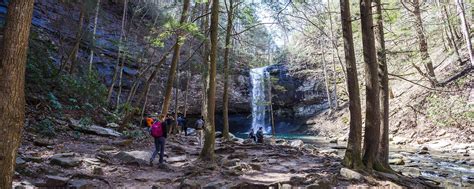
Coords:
55,181
20,162
80,184
176,159
113,125
350,174
93,129
396,161
297,144
42,142
256,167
189,184
98,171
133,157
123,143
66,160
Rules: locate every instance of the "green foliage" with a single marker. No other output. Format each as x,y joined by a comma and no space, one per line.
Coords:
135,134
86,121
45,127
54,102
450,111
345,120
61,90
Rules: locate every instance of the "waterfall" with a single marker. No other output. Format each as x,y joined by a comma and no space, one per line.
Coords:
259,101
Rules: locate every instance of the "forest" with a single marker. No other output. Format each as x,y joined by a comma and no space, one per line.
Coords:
236,94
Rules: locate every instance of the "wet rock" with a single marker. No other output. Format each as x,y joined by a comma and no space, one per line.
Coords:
256,167
297,144
350,174
34,159
214,185
56,181
42,142
80,184
189,184
272,161
333,141
98,171
396,161
66,160
133,157
245,185
20,163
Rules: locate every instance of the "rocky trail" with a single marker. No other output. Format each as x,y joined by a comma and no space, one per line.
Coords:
102,161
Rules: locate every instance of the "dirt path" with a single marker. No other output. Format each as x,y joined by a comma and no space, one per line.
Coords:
106,162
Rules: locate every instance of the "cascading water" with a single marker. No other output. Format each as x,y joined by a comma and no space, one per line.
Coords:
259,103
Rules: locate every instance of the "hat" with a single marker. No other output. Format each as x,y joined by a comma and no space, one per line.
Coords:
149,121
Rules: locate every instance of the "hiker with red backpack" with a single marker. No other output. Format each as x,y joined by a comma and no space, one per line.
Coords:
159,132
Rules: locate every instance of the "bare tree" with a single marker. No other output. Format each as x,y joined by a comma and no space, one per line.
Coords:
422,42
175,59
96,17
465,28
13,53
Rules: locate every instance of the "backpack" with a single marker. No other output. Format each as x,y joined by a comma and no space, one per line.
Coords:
199,124
157,129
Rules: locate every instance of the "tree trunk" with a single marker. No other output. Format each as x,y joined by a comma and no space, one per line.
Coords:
96,17
188,79
230,12
465,29
423,44
75,50
152,77
175,60
205,59
122,34
449,29
326,77
13,56
119,93
207,152
352,157
372,112
270,98
382,156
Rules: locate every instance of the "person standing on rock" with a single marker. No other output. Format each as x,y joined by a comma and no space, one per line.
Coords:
169,122
159,133
200,129
260,135
252,135
182,124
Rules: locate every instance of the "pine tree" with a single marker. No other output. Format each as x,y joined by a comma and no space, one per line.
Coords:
372,112
352,157
207,152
